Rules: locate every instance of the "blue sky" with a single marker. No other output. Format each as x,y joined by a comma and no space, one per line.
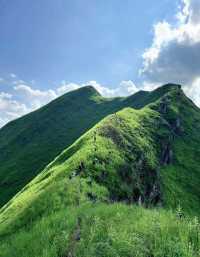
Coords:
77,41
49,47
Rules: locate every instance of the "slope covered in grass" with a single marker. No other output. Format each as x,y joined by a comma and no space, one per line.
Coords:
148,157
28,144
106,231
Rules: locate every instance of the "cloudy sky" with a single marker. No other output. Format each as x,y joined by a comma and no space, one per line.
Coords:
50,47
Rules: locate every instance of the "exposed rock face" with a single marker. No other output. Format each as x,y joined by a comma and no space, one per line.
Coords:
167,154
164,105
155,194
177,126
113,134
143,182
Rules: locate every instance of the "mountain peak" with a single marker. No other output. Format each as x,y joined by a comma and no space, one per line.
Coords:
87,90
167,88
172,85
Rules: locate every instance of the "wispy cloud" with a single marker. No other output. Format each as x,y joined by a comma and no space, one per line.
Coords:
123,89
35,97
17,82
10,109
12,75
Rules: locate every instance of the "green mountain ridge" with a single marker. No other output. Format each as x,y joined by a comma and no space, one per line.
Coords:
115,190
29,143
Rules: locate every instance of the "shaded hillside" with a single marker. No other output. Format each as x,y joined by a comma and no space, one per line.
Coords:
28,144
148,157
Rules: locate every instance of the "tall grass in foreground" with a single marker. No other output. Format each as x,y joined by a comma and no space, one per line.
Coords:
107,231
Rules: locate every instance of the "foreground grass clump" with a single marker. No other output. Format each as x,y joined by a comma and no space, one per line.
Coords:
106,231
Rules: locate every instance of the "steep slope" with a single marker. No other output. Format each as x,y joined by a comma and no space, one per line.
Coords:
28,144
147,156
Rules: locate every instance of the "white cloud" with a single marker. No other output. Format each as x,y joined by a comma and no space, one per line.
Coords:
192,10
29,99
193,91
66,87
32,81
175,52
17,82
103,90
10,109
148,86
125,88
12,75
36,97
128,87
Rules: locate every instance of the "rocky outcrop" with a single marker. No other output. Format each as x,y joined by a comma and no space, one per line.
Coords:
164,103
177,127
167,154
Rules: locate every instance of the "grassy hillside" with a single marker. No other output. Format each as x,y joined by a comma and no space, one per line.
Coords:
148,157
106,231
28,144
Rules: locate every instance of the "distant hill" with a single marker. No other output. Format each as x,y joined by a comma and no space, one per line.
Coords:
147,157
29,143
